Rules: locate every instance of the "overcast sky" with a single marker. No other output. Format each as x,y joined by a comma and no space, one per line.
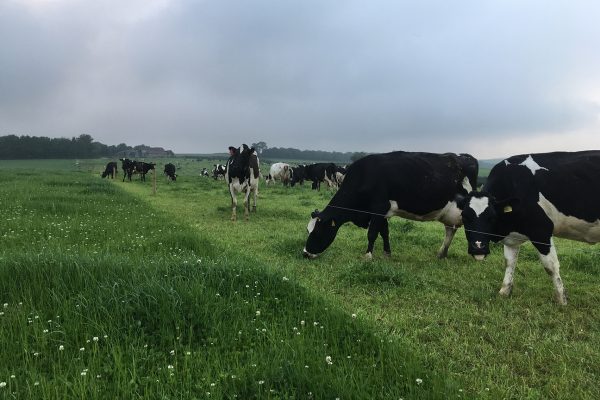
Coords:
492,78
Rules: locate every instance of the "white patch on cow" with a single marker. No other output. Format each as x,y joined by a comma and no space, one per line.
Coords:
569,227
467,185
514,239
506,162
309,255
449,215
479,204
532,165
311,225
479,257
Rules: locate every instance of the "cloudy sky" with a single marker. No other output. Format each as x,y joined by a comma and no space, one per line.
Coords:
492,78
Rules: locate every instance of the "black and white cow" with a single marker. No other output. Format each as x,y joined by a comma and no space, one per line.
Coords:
340,174
110,170
143,168
417,186
532,197
170,171
128,168
280,172
204,172
298,175
321,172
242,175
218,171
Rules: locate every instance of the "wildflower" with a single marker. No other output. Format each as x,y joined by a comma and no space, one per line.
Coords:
258,313
353,315
81,348
83,373
328,360
95,338
261,382
172,352
187,353
2,384
45,331
302,322
61,347
285,278
36,383
12,377
419,381
170,367
5,305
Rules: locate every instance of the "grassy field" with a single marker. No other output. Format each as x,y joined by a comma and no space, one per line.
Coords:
109,291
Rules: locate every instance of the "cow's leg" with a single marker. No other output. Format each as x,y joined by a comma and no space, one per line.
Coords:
443,251
255,192
552,267
247,202
511,254
233,203
385,236
375,227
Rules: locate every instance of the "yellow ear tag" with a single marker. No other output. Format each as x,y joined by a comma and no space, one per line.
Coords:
507,209
332,222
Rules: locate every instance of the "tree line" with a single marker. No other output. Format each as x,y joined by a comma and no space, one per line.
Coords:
313,155
14,147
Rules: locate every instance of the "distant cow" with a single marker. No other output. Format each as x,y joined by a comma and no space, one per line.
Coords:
128,168
417,186
204,172
110,170
242,175
143,168
321,172
298,175
170,171
532,197
218,171
280,172
340,174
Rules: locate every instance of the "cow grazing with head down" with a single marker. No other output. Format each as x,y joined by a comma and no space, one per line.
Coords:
298,175
416,186
532,197
242,175
321,172
128,168
204,172
170,171
110,170
280,172
143,168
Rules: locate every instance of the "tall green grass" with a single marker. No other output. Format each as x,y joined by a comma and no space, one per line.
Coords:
104,295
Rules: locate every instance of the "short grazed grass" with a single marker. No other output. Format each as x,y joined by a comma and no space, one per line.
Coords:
170,272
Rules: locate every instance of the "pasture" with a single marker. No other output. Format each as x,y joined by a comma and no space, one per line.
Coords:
109,291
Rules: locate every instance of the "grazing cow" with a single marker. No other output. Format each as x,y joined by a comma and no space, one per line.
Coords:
532,197
321,172
110,170
340,174
242,175
204,172
143,168
417,186
298,175
218,171
281,172
170,171
128,168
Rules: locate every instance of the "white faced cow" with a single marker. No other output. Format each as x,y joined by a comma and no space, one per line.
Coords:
417,186
280,172
242,175
533,197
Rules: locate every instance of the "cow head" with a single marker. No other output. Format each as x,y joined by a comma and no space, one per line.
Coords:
322,230
481,213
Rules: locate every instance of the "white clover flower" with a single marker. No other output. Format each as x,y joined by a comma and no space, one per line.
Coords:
170,367
353,315
419,381
2,384
285,278
36,383
172,352
95,338
261,382
302,322
258,313
187,353
61,347
45,331
83,373
12,377
5,305
81,348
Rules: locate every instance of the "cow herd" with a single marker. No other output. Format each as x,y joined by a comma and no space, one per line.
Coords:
530,197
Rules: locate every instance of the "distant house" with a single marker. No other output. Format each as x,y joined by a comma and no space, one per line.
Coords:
145,152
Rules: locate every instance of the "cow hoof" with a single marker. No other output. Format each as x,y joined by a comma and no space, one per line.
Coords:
254,209
505,291
387,254
561,299
368,256
442,254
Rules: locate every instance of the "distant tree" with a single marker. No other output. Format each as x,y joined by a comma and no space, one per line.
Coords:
357,156
259,147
